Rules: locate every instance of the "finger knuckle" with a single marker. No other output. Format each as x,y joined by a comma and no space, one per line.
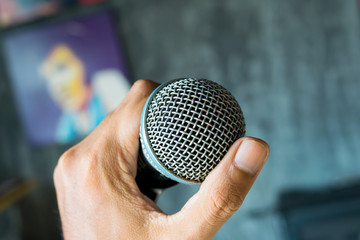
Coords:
66,158
224,204
235,197
66,162
143,84
66,171
63,165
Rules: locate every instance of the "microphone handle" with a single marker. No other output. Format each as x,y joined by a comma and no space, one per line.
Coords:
150,181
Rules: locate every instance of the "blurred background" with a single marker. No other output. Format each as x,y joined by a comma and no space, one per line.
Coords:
293,66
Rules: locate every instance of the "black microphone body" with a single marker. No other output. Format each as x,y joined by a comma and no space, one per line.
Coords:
186,128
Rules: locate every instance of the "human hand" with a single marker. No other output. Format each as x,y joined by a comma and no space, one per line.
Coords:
98,197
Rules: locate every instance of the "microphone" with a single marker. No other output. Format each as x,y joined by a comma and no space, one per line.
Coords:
187,126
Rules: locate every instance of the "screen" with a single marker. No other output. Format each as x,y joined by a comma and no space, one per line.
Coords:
66,76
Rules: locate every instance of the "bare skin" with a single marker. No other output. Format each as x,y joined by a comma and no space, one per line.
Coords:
98,197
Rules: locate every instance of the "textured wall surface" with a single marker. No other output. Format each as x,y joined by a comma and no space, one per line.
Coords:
294,67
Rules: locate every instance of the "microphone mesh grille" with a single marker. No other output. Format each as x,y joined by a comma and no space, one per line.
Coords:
191,124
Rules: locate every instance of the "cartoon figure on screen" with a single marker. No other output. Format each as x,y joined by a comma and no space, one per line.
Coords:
83,104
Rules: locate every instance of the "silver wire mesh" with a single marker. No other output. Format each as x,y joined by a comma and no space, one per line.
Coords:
191,124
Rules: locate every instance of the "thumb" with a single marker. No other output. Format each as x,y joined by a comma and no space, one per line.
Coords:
225,188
